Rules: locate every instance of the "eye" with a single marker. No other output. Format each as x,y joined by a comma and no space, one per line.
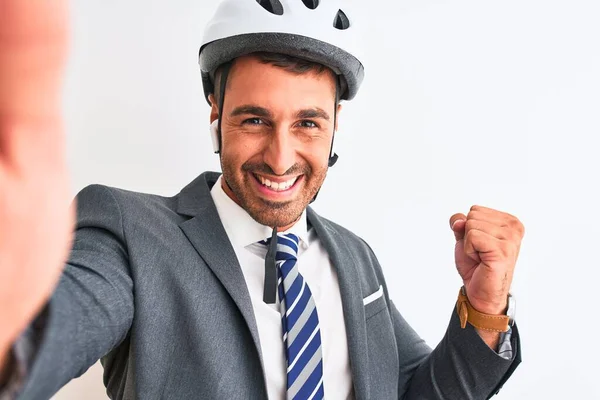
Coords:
308,124
253,121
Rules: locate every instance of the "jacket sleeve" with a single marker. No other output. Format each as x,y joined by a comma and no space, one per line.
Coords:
462,366
90,311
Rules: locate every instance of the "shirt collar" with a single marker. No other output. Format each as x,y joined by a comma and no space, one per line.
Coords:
241,228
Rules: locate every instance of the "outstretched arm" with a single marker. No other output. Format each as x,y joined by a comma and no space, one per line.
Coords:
35,219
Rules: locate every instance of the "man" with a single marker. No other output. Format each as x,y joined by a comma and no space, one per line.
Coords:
234,288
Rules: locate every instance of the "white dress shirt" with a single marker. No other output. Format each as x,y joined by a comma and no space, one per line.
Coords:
315,266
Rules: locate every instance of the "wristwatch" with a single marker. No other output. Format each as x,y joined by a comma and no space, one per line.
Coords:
486,322
512,309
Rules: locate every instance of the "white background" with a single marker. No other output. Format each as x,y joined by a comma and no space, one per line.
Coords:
465,102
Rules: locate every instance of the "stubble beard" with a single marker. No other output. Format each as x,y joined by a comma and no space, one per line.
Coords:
272,213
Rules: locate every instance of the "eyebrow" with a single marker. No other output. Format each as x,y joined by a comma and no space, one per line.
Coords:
313,113
263,112
251,110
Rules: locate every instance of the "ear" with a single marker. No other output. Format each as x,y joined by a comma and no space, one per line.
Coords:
214,110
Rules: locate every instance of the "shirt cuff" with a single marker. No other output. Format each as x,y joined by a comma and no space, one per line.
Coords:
505,349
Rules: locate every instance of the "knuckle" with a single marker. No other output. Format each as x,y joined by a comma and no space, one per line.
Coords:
517,225
521,229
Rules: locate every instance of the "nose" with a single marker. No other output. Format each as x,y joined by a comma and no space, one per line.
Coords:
280,152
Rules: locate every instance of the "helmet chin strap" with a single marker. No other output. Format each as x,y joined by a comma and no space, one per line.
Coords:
333,157
222,85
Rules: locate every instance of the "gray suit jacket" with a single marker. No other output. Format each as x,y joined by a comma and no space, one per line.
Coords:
153,287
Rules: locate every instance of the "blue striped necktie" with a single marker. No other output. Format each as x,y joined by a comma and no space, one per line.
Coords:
300,322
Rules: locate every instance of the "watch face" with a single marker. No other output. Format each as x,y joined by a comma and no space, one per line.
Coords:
512,308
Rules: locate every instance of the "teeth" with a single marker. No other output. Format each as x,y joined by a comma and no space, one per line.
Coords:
277,186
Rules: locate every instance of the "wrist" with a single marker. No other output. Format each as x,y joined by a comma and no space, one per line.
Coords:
490,308
496,306
499,322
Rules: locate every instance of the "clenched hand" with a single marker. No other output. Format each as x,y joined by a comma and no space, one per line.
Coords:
487,246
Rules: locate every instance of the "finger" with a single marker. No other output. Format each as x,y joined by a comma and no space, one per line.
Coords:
37,147
33,43
492,212
499,232
457,224
493,218
477,242
498,218
487,210
457,217
32,54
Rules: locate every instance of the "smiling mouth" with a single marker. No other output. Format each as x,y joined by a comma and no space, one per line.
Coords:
276,186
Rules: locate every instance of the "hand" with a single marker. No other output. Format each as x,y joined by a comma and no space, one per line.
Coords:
36,222
486,252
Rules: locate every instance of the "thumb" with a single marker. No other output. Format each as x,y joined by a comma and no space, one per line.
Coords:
457,224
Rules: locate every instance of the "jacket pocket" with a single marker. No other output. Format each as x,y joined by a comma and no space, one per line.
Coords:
374,303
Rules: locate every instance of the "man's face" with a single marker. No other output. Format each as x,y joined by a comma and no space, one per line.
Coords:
277,128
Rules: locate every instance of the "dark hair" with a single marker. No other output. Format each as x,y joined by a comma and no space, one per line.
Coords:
289,63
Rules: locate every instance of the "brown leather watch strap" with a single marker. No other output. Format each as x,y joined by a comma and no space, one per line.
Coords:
487,322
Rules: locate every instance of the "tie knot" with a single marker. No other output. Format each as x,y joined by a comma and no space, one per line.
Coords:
287,246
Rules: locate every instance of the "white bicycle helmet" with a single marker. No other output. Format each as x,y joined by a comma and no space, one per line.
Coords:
321,31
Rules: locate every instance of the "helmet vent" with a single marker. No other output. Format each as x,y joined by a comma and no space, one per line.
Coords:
341,21
312,4
272,6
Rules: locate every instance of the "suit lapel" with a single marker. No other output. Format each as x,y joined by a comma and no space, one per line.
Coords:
206,233
352,303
